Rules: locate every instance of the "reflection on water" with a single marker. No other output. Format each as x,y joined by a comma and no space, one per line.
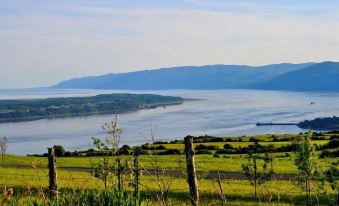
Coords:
222,112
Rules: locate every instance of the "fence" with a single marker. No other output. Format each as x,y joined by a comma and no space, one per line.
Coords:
155,180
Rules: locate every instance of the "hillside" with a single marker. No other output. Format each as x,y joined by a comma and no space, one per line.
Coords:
318,77
188,77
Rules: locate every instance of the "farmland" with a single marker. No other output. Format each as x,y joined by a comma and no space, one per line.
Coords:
75,172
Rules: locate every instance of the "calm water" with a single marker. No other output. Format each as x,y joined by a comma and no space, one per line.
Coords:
222,112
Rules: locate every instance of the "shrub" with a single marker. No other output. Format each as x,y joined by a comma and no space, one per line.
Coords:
145,146
160,147
59,150
124,151
68,154
203,151
125,146
169,152
225,151
328,153
228,146
334,137
206,147
332,144
253,139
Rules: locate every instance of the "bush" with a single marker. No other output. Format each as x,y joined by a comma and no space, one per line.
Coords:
206,147
68,154
124,151
203,151
334,137
225,151
253,139
125,146
328,153
59,150
152,147
216,139
228,146
145,146
160,147
169,152
332,144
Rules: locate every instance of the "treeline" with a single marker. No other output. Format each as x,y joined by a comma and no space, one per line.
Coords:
17,110
328,123
330,149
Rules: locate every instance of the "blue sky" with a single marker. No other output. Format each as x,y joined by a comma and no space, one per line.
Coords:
43,42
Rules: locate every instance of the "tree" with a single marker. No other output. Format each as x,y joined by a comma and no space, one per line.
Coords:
307,164
3,147
332,177
59,150
102,170
251,169
113,142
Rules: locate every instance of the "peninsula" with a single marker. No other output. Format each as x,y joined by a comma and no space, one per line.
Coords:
32,109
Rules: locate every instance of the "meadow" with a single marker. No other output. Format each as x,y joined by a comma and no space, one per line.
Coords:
29,174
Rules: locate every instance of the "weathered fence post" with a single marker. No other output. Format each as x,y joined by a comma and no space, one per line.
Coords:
191,174
119,173
53,186
136,174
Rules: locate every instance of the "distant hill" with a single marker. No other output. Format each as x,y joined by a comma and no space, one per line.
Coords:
187,77
318,77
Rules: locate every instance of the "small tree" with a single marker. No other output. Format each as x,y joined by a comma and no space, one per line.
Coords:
112,144
59,150
102,170
332,177
307,164
251,169
3,147
113,141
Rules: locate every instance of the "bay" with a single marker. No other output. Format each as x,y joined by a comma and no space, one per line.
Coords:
220,112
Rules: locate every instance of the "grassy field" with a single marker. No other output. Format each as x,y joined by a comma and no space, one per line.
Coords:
220,145
74,173
237,192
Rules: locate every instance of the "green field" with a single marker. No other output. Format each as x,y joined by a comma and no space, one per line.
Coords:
75,173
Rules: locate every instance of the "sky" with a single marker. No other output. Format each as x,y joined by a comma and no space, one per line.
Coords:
43,42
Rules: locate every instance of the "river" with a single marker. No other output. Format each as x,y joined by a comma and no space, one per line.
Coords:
221,112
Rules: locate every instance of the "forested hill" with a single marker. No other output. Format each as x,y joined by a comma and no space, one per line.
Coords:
318,77
294,77
188,77
327,123
21,110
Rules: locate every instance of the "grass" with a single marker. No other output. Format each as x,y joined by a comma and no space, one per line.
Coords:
237,192
225,163
17,172
220,145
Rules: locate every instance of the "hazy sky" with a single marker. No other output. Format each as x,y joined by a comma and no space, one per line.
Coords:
45,41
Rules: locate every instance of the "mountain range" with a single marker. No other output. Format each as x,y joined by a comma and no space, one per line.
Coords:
295,77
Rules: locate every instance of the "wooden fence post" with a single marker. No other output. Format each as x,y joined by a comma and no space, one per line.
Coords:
191,173
136,175
119,173
53,186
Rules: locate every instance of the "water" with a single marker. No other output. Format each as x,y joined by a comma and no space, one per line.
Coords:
222,112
